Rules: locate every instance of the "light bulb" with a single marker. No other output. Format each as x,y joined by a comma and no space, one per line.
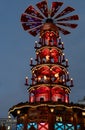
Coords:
57,75
45,77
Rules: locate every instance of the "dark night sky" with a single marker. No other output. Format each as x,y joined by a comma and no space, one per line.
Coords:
17,47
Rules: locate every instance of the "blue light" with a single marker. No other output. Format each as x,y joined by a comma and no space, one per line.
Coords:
32,124
20,126
78,127
59,126
69,126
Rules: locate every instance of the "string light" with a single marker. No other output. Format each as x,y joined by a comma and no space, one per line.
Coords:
18,111
47,58
39,78
57,75
45,77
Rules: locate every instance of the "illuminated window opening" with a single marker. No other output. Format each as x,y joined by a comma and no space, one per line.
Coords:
50,36
57,97
32,97
8,127
59,126
43,126
59,118
32,125
44,93
42,96
20,126
66,98
69,127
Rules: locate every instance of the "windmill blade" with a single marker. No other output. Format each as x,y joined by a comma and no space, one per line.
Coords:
43,7
35,31
32,20
29,18
67,10
55,7
28,26
65,32
32,11
29,21
35,23
24,18
25,26
74,17
68,25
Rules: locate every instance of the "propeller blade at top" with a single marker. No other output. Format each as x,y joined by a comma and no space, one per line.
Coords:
65,32
68,25
29,18
32,11
43,7
74,17
32,20
67,10
55,7
35,31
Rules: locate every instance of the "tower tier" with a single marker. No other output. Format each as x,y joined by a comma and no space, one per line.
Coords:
50,76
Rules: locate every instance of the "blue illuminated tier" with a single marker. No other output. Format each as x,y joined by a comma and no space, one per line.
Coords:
49,116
